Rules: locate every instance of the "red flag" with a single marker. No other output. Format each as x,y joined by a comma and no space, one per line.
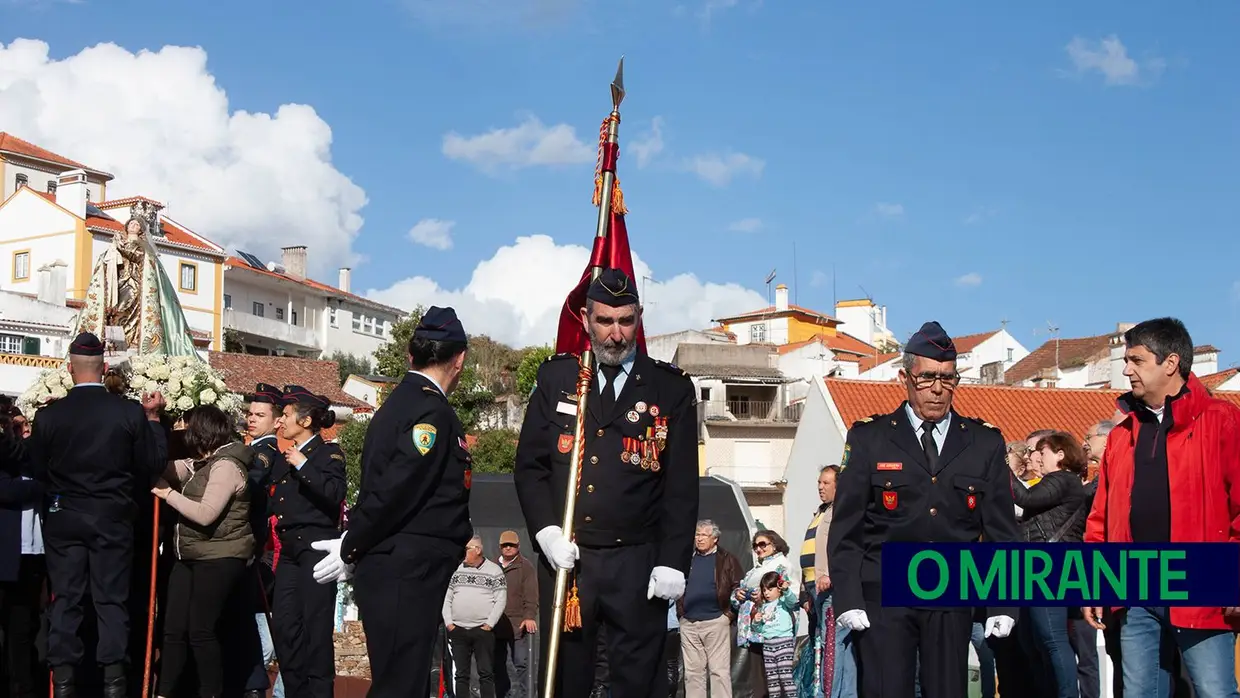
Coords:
610,252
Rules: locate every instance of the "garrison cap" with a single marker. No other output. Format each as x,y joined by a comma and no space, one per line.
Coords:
86,344
440,325
614,288
268,394
931,342
297,395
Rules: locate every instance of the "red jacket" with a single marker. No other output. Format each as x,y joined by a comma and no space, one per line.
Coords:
1203,455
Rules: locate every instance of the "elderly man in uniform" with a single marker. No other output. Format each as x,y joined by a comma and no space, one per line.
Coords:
408,530
637,495
93,449
920,474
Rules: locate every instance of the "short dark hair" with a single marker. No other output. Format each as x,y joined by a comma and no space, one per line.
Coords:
320,417
206,429
777,541
1163,337
424,353
1073,455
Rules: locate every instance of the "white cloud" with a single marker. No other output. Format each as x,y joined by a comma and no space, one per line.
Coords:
432,232
491,304
249,180
818,278
1110,58
719,169
969,280
889,210
646,147
528,144
746,225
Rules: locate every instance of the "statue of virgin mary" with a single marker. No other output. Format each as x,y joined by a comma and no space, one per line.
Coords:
130,290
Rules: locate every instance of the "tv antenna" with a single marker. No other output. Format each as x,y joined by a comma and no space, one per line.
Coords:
1053,330
769,278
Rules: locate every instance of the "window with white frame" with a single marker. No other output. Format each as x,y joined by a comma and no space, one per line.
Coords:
12,343
357,322
21,265
258,308
757,332
279,313
189,277
331,317
21,181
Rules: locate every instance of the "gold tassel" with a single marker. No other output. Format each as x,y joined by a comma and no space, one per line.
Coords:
617,196
572,611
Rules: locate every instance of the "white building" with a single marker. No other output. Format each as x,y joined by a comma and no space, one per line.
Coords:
369,389
24,164
862,319
34,332
66,230
663,346
275,309
981,358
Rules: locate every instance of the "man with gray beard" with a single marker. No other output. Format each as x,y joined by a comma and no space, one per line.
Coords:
637,499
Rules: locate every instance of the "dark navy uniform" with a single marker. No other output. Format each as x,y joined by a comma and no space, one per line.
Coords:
636,510
408,532
247,672
92,450
307,503
892,489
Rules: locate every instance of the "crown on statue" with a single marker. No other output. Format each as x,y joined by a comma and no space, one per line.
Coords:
148,213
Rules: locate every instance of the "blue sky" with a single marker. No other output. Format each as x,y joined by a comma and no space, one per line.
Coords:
966,162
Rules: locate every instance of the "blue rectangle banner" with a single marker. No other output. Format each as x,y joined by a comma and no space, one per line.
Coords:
1061,574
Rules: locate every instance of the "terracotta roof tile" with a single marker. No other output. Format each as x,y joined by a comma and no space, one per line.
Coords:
173,233
1214,380
870,362
1205,349
241,372
1072,352
12,144
969,342
317,285
770,311
1016,411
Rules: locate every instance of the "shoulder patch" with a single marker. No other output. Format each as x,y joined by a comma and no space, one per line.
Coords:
338,456
424,437
429,389
262,458
844,458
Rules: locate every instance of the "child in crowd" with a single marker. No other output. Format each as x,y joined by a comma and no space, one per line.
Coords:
778,628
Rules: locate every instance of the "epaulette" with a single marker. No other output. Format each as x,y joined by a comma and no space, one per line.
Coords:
867,420
670,367
984,423
429,389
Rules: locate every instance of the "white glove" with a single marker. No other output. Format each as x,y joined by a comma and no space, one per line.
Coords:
855,619
331,568
666,583
562,552
999,626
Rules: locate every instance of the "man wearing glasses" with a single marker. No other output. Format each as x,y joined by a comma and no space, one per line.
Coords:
921,474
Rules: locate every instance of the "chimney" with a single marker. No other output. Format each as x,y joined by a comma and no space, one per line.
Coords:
345,278
53,282
294,259
1118,380
71,192
781,297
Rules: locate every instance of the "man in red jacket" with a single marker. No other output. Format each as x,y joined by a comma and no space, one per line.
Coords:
1170,474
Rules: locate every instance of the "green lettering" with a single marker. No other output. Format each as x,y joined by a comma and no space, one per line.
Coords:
971,577
1073,575
1015,575
1102,568
1143,558
1037,577
916,587
1166,575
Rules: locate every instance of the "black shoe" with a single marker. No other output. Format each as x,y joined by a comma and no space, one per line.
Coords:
64,684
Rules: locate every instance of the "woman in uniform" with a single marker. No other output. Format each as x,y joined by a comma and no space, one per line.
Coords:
307,498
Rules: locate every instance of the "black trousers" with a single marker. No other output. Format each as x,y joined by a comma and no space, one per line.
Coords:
303,615
889,650
21,603
88,551
611,587
244,668
198,592
471,645
399,597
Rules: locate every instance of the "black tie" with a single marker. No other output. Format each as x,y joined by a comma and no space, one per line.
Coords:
608,396
928,445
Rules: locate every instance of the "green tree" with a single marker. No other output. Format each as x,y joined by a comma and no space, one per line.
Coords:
470,397
350,364
527,371
232,342
495,451
351,436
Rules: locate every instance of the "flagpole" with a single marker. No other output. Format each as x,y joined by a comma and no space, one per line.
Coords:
585,374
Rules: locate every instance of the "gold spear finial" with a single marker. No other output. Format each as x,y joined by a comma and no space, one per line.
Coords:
617,87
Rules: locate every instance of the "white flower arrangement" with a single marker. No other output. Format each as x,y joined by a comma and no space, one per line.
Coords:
185,383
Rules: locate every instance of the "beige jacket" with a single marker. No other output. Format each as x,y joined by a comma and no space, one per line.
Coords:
820,544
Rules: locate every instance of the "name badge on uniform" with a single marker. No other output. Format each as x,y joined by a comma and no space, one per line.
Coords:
890,466
566,408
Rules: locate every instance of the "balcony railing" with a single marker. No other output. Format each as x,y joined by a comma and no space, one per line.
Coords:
277,330
751,411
